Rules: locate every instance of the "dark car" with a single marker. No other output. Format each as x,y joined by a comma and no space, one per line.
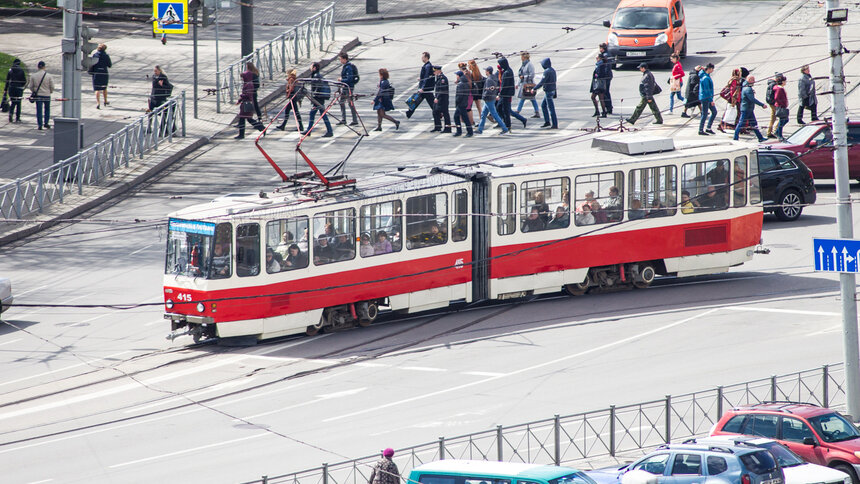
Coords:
814,143
786,183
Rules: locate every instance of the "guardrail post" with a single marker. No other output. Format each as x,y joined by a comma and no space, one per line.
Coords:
271,59
557,428
40,189
96,164
325,473
825,386
171,119
79,173
719,402
284,52
499,446
265,480
183,114
218,92
773,388
308,39
62,180
156,130
232,85
18,202
322,31
332,21
668,418
140,135
296,44
612,430
441,448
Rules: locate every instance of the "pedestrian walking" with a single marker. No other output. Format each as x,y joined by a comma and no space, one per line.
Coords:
320,93
648,88
294,93
769,98
806,94
506,94
477,87
603,49
440,102
101,77
490,95
348,76
598,86
461,103
676,82
16,80
526,87
41,86
385,471
550,92
692,92
246,105
426,84
706,100
382,101
255,82
780,100
464,68
748,104
161,89
732,93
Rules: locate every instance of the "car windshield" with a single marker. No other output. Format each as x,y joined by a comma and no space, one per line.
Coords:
803,134
833,427
760,462
576,478
785,457
641,18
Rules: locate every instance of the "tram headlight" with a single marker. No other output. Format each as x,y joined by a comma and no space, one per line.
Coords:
201,307
169,303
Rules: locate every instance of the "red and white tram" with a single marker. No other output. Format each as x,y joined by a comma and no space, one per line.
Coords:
295,260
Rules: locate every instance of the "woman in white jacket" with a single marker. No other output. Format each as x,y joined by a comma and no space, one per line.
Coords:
41,84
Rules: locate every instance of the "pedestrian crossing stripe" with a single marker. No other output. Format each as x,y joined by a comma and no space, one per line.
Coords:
170,17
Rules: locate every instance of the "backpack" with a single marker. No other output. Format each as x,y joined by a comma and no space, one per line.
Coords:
355,73
769,97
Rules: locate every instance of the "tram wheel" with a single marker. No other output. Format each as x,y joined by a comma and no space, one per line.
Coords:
578,289
197,336
646,276
313,329
368,314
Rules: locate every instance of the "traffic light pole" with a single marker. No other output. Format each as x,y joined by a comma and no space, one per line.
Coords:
844,216
71,58
194,26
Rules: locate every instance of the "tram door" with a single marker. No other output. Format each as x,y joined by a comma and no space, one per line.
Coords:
480,237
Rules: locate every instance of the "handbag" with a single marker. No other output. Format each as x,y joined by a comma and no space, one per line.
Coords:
730,116
4,105
247,107
675,85
782,113
413,101
529,90
657,89
726,93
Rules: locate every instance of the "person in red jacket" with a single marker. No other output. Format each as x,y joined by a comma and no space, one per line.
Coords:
677,81
780,101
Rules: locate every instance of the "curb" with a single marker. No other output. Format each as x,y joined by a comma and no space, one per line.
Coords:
444,13
119,189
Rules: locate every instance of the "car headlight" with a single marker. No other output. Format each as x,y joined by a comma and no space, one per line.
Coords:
613,40
201,307
661,39
169,303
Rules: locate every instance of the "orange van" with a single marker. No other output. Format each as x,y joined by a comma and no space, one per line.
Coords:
647,31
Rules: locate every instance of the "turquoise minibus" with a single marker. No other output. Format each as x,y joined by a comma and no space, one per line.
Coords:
487,472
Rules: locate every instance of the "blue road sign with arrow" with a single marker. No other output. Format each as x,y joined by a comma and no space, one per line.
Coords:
836,255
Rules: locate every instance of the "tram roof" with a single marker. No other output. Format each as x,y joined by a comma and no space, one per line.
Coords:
288,199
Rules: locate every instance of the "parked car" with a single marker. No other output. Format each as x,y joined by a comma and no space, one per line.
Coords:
796,470
814,143
647,31
819,435
487,472
700,464
787,185
5,293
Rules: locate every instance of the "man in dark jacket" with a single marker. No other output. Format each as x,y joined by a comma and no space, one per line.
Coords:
748,104
507,91
806,93
426,83
461,102
320,93
440,102
647,86
490,95
348,76
548,83
16,80
610,61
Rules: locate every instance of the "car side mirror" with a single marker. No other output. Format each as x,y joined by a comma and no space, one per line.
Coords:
677,23
813,144
809,441
607,23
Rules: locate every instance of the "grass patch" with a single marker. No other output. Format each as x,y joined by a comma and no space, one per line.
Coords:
5,64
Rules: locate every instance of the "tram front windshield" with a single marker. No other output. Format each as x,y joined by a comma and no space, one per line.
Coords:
194,249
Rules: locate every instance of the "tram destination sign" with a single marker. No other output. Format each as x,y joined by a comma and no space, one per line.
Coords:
836,255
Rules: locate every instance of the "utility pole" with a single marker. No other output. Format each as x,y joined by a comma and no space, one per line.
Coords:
247,15
71,58
196,9
851,344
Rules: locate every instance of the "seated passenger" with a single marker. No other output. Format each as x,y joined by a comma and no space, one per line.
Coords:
436,236
586,217
344,248
657,209
636,211
534,222
590,201
272,265
688,205
713,199
561,219
382,245
718,175
303,242
284,244
220,262
323,252
331,233
366,249
614,207
296,259
542,206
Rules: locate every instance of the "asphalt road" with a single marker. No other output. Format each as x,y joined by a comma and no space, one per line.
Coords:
98,395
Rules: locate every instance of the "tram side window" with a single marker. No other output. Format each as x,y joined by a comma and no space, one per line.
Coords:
460,224
705,186
598,198
507,209
380,225
426,220
334,236
739,182
652,192
288,239
755,187
222,260
247,250
543,205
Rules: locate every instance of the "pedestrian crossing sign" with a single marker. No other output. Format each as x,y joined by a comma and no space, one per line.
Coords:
170,17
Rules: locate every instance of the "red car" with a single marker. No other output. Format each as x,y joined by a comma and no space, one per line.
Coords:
819,435
814,143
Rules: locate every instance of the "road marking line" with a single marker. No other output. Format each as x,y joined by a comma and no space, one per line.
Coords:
63,369
186,451
40,482
10,342
367,364
482,373
32,290
590,55
319,398
141,249
525,370
153,323
420,368
832,329
414,132
457,148
94,318
782,311
215,388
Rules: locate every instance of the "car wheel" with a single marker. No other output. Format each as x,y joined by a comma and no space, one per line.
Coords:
790,206
684,49
848,470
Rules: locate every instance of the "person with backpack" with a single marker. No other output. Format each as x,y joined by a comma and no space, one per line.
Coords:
692,92
16,80
294,93
382,101
348,76
648,88
99,70
320,93
769,99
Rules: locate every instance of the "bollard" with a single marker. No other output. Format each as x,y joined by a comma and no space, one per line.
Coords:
825,386
719,402
557,423
668,418
325,473
773,388
499,441
612,430
441,448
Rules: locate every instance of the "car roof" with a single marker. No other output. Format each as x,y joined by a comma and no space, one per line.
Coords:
727,448
767,150
645,3
735,439
496,469
795,408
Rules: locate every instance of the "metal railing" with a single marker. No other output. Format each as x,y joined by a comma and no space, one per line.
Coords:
93,165
605,433
276,55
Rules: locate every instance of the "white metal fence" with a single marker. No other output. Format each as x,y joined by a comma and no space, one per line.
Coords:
276,55
602,433
93,165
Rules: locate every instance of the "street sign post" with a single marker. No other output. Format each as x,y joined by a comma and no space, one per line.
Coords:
836,255
171,17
